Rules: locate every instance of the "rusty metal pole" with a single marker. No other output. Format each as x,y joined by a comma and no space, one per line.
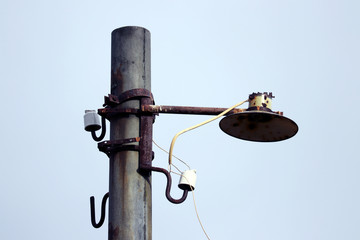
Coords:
130,202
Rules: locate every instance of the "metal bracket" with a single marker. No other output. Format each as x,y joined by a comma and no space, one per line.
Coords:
108,113
136,94
111,101
108,147
168,184
146,155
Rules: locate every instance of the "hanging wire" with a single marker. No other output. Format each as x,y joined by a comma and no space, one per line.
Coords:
196,211
199,125
192,189
170,153
157,145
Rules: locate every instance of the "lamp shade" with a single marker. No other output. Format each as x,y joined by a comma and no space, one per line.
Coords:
259,123
259,126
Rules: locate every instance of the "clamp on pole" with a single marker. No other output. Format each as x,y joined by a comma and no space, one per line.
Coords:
146,155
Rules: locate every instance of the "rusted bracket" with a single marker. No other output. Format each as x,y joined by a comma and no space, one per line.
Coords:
136,94
113,100
146,155
168,184
112,108
112,103
108,113
109,147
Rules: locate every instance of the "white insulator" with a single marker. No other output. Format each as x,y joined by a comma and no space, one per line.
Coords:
188,180
91,121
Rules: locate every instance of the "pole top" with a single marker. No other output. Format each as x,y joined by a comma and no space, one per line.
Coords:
130,29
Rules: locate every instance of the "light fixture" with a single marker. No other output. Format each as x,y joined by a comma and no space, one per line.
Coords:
131,111
259,123
256,123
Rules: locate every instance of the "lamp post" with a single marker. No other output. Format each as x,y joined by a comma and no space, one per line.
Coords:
131,111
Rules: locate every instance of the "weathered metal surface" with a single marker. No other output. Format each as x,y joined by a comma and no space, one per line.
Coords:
259,126
187,110
110,113
146,122
168,184
111,101
110,147
259,123
137,93
149,109
260,101
129,191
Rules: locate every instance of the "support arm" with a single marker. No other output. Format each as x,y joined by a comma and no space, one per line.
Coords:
168,184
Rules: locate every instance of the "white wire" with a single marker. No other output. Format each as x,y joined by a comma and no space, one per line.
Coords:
157,145
196,211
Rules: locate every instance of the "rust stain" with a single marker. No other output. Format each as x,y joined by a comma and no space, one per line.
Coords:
113,232
116,77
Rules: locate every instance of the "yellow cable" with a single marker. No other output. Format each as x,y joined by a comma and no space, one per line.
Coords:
196,126
192,190
189,129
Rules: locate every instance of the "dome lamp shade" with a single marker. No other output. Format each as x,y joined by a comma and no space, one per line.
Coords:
259,123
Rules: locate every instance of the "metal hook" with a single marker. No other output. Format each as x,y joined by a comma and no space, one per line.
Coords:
92,210
103,131
168,185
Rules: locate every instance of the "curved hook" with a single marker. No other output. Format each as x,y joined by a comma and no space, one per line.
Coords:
92,210
103,131
168,185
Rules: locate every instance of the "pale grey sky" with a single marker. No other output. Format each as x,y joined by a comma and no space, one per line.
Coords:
55,63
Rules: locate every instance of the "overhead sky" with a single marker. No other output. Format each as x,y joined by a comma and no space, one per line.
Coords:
55,63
